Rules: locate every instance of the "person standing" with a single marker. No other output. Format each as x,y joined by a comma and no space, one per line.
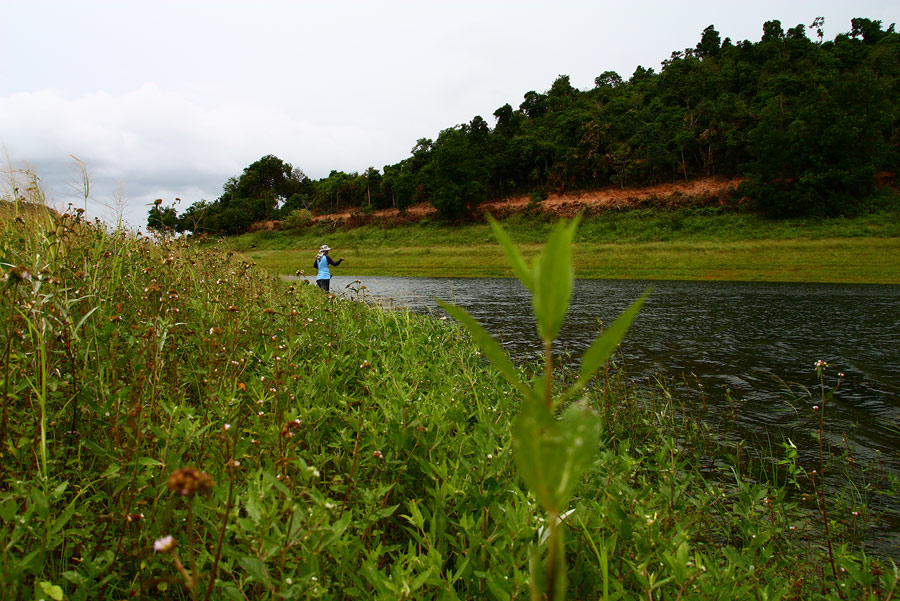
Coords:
323,279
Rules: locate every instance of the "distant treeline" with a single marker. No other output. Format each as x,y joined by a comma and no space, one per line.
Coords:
810,124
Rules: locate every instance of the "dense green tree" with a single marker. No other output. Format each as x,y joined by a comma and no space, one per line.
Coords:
162,219
534,105
197,218
509,122
608,79
808,123
456,173
710,43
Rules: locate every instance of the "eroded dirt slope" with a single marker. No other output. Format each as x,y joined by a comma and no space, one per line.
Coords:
697,191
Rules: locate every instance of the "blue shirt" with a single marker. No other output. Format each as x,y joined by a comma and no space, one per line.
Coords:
322,264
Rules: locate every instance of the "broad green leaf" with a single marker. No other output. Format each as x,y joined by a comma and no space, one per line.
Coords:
387,512
497,586
231,592
111,471
31,562
8,510
581,428
53,591
268,477
251,505
552,454
415,516
420,580
620,520
75,578
337,531
64,517
553,278
605,345
512,253
490,347
255,568
530,430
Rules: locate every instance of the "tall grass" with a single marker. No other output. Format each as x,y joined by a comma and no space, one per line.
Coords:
179,424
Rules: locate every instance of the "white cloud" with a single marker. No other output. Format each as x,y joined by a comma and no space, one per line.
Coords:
172,98
152,143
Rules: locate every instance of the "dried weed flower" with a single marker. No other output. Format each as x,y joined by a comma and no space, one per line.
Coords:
188,481
290,427
17,275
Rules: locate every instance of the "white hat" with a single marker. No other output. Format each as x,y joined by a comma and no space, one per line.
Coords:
324,248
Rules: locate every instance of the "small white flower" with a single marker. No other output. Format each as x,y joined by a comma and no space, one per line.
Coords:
164,544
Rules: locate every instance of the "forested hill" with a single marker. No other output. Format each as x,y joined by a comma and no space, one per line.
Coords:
810,123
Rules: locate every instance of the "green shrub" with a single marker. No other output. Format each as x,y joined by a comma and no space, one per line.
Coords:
296,219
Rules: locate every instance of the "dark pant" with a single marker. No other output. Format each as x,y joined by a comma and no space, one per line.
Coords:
323,284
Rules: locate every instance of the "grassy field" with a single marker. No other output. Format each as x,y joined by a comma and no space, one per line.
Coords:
836,260
701,244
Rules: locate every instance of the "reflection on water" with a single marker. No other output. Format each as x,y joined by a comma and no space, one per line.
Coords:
752,339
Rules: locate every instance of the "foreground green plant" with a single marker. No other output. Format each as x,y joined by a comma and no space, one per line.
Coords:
551,453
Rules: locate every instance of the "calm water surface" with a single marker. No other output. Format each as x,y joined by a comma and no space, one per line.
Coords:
753,343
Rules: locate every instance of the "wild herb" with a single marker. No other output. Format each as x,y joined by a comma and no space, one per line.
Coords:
551,453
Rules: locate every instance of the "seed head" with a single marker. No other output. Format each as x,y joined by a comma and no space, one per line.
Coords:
17,275
290,428
188,481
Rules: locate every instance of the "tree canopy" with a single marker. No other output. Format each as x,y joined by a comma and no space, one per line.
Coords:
809,123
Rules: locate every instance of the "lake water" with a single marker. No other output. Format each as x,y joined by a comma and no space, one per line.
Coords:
753,343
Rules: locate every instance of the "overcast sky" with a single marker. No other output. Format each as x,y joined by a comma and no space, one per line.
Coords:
169,99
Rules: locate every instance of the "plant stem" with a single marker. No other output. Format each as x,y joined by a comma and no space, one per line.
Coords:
821,496
4,418
548,374
215,565
355,456
555,557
